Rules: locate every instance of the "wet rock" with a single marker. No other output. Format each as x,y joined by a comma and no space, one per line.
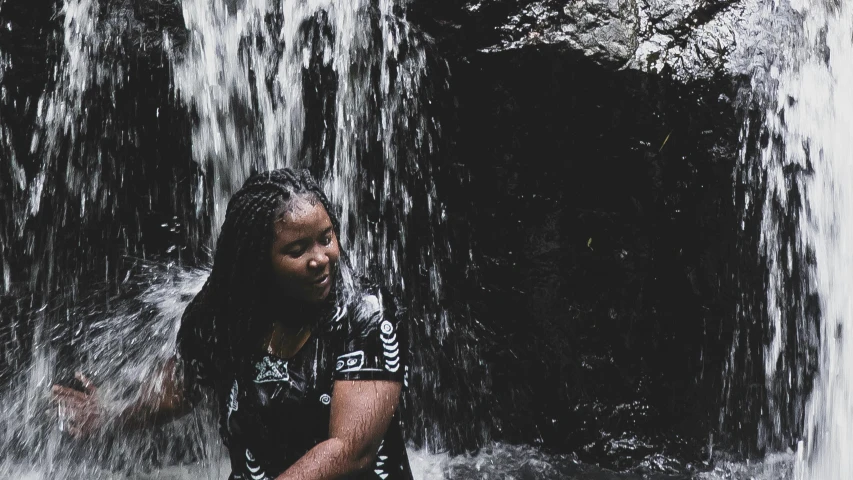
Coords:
694,39
605,30
688,38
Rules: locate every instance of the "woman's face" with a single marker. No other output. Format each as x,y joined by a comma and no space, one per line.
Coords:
305,251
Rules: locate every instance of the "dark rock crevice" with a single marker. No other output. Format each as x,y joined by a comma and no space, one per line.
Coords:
606,236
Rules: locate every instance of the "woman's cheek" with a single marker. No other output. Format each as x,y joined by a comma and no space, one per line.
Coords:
287,265
292,265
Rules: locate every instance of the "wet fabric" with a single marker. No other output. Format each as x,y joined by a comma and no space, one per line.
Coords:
274,410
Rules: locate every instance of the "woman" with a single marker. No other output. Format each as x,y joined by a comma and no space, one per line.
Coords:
305,362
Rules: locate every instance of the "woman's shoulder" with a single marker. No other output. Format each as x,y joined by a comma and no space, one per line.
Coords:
368,304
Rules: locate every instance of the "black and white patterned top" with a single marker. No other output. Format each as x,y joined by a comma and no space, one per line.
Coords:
275,410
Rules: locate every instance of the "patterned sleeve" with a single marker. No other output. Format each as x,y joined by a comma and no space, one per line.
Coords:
376,343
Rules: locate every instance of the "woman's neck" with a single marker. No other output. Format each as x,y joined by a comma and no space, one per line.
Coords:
290,327
285,341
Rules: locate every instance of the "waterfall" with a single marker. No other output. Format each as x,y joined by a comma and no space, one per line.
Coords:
819,134
806,157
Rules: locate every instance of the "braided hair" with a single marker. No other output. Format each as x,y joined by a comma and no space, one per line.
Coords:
226,320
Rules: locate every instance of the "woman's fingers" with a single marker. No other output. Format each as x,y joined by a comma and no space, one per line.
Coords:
78,411
65,392
76,419
71,426
87,384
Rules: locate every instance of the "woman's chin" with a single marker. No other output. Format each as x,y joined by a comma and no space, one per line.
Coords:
325,294
317,295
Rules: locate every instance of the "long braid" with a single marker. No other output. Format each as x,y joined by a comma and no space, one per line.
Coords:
225,320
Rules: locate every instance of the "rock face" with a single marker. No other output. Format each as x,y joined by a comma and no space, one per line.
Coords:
605,30
600,204
689,38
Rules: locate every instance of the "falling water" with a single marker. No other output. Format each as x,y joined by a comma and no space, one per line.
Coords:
806,156
331,86
820,136
13,178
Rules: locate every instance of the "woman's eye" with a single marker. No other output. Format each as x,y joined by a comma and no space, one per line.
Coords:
294,253
327,240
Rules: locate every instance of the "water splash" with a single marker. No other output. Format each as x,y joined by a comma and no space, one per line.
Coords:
121,345
776,466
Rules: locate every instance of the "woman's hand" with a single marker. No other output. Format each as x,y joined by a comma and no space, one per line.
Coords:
80,413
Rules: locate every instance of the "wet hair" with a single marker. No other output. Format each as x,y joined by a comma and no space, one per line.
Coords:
226,320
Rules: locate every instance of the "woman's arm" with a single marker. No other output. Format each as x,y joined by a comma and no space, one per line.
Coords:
361,413
160,400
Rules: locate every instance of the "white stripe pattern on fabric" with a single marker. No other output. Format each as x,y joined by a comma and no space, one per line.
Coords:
254,469
390,346
380,462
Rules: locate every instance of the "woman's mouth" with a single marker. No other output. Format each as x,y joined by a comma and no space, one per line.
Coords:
322,281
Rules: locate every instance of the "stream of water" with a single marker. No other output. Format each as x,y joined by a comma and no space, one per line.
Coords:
809,166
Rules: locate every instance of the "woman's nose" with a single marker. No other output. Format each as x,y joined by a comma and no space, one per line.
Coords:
318,261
